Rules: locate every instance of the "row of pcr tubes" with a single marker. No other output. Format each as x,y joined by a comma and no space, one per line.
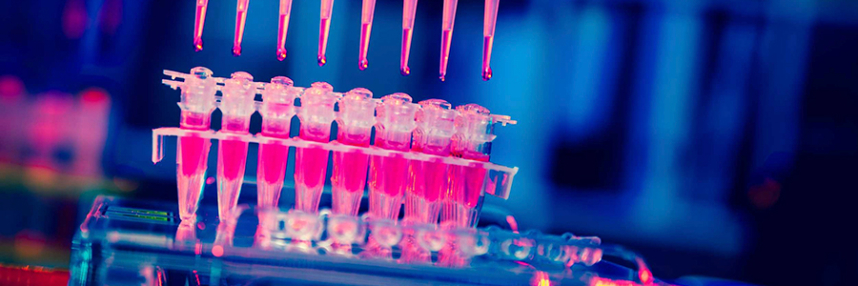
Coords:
429,127
409,9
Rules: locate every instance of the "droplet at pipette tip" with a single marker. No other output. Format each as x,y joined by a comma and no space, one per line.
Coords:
240,18
409,8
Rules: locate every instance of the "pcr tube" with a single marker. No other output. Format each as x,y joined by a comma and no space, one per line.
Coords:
277,109
240,17
354,125
472,140
198,102
428,179
388,175
316,115
236,107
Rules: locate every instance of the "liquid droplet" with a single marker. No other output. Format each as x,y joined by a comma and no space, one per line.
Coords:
281,54
487,74
322,61
363,64
236,51
405,71
442,77
198,45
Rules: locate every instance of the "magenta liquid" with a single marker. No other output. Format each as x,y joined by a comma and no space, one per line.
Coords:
310,169
388,179
349,180
282,28
446,38
232,159
192,153
324,29
406,52
271,169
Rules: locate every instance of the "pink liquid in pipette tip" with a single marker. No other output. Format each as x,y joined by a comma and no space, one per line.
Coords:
240,17
199,21
365,30
324,29
283,27
487,57
405,53
446,38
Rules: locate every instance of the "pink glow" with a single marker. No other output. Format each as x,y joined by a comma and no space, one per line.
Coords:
74,19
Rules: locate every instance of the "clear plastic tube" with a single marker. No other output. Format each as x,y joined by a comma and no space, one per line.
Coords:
316,115
197,104
409,8
489,20
472,140
199,21
354,122
428,179
237,106
283,28
366,15
447,22
326,8
388,175
278,99
240,18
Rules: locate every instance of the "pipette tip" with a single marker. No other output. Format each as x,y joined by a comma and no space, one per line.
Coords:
442,77
363,64
487,74
198,45
322,61
236,51
405,71
281,54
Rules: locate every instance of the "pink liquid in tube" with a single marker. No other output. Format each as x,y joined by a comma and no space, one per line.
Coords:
199,21
355,121
388,175
367,13
240,19
236,106
316,115
277,111
192,151
283,28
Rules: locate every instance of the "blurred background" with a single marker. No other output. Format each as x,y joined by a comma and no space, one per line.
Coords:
717,138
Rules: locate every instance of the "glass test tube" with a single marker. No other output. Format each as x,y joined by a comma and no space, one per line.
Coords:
355,120
316,115
236,107
388,175
278,107
197,104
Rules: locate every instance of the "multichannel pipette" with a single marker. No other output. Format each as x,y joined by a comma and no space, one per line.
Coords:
236,106
447,34
311,163
489,20
388,175
428,179
240,17
354,125
277,109
409,8
198,102
472,140
283,27
199,21
366,14
326,8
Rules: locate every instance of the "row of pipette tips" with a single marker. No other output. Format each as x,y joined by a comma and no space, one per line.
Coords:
367,14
